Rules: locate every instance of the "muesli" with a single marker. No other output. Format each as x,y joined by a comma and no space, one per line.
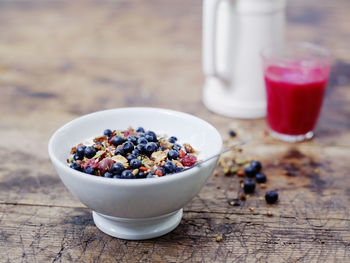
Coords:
132,154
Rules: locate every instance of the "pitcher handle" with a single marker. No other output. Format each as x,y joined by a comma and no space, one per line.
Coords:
210,8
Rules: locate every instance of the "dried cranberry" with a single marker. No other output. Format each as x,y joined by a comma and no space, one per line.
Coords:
90,163
105,165
182,154
189,160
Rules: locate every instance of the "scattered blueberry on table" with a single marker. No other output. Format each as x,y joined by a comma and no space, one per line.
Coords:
249,186
271,197
260,178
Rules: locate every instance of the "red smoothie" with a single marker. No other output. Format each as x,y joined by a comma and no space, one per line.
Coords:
294,97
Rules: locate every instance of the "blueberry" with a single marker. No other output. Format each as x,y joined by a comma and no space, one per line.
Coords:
127,174
89,170
169,167
142,135
76,166
90,152
178,169
172,139
151,136
117,168
135,163
141,174
108,133
249,186
108,175
271,197
135,152
150,175
119,151
150,147
80,150
256,165
132,138
260,178
173,155
142,140
177,147
232,133
128,147
140,129
140,148
250,171
131,156
117,176
78,157
117,140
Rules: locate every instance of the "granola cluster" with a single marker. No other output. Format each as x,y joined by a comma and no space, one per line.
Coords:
132,154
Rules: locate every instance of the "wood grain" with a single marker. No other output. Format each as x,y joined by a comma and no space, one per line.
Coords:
62,59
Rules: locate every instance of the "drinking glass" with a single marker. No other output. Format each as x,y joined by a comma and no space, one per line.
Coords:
296,76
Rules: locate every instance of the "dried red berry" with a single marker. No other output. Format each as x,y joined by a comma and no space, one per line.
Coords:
91,163
159,173
105,165
182,154
189,160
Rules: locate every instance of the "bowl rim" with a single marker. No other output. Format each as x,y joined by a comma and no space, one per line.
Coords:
131,182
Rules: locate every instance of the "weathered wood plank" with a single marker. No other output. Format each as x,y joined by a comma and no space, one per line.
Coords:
66,234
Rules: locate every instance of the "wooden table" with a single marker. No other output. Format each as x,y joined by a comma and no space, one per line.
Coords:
62,59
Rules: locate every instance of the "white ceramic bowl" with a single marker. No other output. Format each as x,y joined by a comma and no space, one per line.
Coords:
140,208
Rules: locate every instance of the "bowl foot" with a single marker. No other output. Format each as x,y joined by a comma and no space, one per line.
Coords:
137,229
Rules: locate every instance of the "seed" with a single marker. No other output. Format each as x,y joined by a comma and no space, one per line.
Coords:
269,213
218,238
263,186
251,209
234,202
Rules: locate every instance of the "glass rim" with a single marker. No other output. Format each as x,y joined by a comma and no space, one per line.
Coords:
265,52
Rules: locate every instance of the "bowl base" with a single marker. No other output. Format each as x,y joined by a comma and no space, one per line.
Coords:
137,229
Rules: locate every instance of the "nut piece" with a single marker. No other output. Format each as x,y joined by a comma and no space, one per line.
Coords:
100,138
121,159
165,144
189,148
147,163
73,150
269,213
159,156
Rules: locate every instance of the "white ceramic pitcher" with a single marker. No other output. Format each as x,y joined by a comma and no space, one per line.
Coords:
234,31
